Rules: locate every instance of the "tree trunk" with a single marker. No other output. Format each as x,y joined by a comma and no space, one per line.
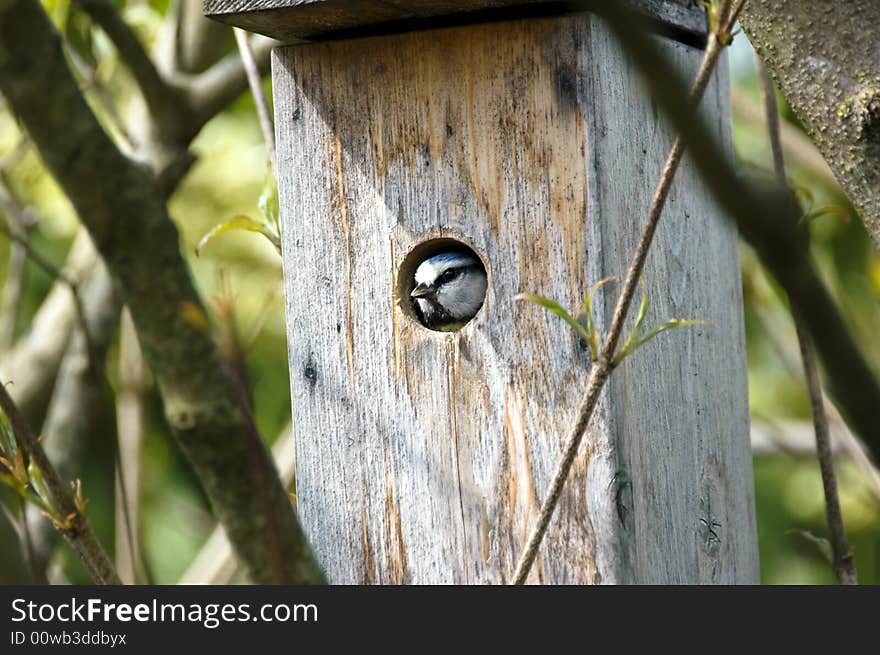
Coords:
825,57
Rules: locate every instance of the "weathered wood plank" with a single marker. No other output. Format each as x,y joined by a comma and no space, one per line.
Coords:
295,20
423,456
678,417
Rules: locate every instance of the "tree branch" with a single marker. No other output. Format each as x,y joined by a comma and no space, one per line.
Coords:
19,222
75,526
80,404
829,71
767,216
773,330
842,561
201,41
225,81
129,416
123,209
215,561
161,98
256,85
795,144
33,363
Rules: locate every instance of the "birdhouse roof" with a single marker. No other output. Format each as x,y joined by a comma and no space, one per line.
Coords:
298,20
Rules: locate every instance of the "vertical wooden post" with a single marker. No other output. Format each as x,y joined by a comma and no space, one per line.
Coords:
422,457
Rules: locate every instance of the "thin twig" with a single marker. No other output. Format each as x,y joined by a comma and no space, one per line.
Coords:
603,367
200,41
21,222
766,214
76,528
256,84
771,116
844,567
795,144
48,267
158,93
851,444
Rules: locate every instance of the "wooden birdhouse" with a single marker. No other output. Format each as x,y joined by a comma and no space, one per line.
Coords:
525,138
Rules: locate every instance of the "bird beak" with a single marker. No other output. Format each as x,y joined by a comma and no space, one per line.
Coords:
422,290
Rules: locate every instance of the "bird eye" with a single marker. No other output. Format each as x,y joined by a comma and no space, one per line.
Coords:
449,275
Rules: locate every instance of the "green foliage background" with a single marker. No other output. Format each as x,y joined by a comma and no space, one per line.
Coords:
245,269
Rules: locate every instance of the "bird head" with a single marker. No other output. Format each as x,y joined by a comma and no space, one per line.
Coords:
450,289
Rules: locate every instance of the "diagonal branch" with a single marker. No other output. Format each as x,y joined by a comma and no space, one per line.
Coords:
767,216
200,40
33,362
842,560
123,209
255,83
160,97
19,222
47,266
75,528
80,400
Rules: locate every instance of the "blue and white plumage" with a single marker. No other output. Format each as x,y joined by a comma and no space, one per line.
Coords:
450,289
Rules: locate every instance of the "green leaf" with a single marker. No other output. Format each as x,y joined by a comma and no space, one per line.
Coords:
631,342
240,222
828,210
636,341
671,324
821,544
557,309
268,203
593,341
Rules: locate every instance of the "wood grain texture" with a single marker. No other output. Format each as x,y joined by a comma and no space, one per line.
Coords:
295,20
423,456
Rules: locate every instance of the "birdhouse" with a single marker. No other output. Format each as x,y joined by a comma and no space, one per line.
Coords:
523,142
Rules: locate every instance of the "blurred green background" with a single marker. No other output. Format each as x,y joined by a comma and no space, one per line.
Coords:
244,268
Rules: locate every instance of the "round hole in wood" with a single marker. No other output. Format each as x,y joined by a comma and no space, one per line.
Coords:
450,288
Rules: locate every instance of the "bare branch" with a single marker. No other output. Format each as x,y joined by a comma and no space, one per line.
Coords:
201,41
33,363
20,222
796,146
842,561
160,97
773,330
256,85
53,271
80,404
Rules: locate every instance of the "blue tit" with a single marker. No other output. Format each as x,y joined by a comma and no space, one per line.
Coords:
449,290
